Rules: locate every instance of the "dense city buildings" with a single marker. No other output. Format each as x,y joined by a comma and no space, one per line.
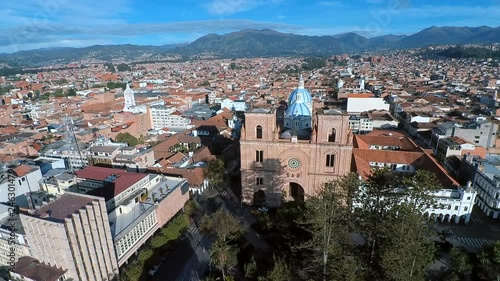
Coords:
100,154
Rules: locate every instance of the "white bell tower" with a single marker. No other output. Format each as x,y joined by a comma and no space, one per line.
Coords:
129,99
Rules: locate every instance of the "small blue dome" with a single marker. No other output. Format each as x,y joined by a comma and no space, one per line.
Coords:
298,109
300,95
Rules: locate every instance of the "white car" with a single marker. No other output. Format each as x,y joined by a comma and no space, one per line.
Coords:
263,209
154,270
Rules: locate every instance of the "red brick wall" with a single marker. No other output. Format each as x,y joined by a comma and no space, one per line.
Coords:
169,206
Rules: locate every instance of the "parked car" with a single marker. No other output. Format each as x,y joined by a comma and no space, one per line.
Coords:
263,209
154,270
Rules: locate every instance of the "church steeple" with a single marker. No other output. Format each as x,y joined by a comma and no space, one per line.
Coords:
301,82
128,94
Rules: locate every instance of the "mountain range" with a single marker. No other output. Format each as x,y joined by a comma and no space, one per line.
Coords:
258,43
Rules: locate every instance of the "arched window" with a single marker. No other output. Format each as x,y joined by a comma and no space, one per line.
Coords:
330,160
332,135
259,131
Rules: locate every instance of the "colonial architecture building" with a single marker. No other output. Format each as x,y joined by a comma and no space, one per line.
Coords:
287,152
397,152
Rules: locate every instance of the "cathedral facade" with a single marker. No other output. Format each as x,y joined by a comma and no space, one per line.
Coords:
287,156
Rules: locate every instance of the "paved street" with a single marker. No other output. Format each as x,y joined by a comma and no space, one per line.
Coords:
481,231
188,261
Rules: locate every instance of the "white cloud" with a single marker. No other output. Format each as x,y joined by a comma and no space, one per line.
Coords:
227,7
335,4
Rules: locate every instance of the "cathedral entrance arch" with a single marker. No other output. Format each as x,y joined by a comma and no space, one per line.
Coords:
296,191
259,198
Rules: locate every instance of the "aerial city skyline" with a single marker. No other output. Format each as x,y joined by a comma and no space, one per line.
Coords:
249,140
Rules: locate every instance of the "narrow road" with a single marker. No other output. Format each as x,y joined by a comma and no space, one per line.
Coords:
188,261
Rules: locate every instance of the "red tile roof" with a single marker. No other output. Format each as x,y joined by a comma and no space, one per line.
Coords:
123,179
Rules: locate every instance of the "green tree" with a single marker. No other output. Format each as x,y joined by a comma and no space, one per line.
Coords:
214,171
489,263
250,269
222,226
71,92
461,265
391,203
127,138
223,256
123,67
280,271
329,220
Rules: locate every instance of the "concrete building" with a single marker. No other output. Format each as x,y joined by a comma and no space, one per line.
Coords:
23,180
287,162
484,174
482,133
357,103
360,124
168,117
73,233
12,236
30,269
138,204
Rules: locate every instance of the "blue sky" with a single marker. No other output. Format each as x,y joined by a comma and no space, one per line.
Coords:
31,24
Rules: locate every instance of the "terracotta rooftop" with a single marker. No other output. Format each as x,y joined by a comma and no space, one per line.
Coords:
119,180
403,142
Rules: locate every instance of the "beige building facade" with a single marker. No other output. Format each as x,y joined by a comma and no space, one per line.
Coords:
73,233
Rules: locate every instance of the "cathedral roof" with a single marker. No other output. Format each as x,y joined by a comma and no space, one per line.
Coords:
301,94
298,109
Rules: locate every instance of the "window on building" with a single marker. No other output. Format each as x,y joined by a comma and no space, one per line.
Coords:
456,208
330,160
332,135
468,198
259,156
259,131
259,181
465,209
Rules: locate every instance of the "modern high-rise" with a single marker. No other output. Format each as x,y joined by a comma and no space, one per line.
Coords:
73,233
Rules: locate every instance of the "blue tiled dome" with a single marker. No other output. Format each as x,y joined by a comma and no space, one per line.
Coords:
300,95
298,109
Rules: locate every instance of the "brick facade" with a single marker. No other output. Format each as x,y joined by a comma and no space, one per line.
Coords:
289,169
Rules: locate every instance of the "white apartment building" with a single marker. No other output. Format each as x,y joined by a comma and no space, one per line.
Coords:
360,125
168,117
22,180
357,103
485,177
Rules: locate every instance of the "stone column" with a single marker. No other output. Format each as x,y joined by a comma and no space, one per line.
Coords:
457,219
467,218
449,218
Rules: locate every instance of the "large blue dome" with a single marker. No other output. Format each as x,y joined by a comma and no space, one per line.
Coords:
298,109
300,95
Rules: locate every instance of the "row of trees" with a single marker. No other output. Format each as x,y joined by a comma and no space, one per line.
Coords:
344,233
171,233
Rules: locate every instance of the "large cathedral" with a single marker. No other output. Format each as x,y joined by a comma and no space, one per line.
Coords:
288,153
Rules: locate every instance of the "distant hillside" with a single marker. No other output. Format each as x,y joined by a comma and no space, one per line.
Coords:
253,43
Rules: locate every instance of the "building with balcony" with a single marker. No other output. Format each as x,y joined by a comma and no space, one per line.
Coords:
484,174
137,204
